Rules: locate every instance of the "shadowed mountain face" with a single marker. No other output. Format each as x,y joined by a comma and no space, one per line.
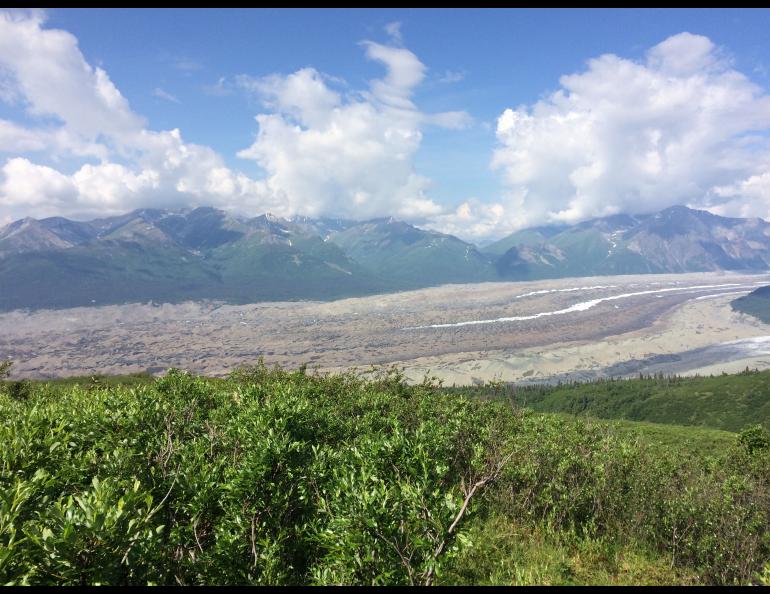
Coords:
205,253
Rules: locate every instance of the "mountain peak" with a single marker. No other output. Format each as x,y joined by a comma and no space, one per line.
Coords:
15,226
28,235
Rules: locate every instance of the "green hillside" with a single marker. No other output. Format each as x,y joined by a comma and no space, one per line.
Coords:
585,247
756,303
112,272
725,402
309,268
151,255
270,477
410,257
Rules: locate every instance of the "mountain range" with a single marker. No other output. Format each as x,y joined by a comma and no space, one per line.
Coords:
204,253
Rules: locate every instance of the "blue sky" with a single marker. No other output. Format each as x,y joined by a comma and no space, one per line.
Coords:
208,73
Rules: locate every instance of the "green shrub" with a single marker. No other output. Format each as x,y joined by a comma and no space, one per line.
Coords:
271,477
755,439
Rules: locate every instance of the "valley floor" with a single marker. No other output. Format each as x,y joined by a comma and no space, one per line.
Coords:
577,328
696,337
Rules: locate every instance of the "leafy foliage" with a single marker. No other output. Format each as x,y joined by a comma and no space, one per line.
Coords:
755,439
727,402
271,477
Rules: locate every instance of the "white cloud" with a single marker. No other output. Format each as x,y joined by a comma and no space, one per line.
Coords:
747,198
49,71
28,185
81,114
471,220
302,96
161,94
681,127
323,152
404,72
684,55
109,186
17,139
454,120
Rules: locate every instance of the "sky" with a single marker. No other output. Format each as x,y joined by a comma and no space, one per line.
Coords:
471,122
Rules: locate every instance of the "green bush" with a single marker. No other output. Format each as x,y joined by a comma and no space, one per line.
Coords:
755,439
271,477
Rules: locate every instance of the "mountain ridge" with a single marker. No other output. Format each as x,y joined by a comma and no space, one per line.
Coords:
205,253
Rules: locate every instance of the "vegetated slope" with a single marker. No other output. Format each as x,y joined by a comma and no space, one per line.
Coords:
412,257
114,271
532,236
727,402
276,261
270,477
161,256
756,303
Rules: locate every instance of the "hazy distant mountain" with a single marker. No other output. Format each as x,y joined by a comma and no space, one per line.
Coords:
322,227
533,236
677,239
172,256
159,255
31,235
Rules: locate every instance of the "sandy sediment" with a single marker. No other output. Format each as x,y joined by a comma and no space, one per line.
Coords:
692,325
460,333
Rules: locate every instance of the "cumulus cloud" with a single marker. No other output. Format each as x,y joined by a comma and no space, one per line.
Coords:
746,198
49,71
473,219
17,139
36,185
329,154
302,96
82,115
323,151
680,127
